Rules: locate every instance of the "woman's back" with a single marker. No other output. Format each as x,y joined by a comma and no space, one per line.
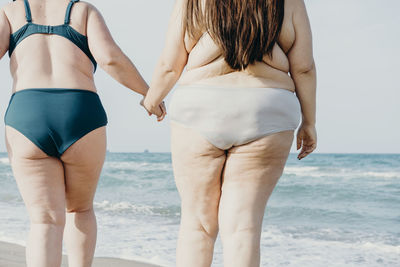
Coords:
49,60
206,64
233,117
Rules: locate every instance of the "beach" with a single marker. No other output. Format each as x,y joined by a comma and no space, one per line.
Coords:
12,255
329,210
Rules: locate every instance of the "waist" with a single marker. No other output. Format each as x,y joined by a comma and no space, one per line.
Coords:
54,91
67,76
54,100
232,89
254,77
232,100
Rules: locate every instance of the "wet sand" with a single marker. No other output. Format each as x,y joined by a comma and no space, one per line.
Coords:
12,255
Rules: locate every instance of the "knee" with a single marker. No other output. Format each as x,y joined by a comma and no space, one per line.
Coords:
79,205
80,209
204,229
204,223
47,217
209,227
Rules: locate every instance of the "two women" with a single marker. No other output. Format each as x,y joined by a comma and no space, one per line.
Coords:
233,117
250,76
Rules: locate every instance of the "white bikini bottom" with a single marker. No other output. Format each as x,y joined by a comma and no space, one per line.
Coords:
229,117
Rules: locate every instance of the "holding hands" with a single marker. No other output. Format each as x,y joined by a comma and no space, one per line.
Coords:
159,110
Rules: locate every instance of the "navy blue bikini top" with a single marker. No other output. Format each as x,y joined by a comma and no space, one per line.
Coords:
64,30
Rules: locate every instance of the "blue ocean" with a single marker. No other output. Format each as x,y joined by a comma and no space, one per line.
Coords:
327,210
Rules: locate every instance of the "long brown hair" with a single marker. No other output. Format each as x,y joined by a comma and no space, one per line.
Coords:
245,30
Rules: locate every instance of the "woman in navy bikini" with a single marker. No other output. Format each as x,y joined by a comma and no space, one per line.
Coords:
55,122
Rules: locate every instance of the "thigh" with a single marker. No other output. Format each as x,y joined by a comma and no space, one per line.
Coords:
83,163
40,178
250,175
197,168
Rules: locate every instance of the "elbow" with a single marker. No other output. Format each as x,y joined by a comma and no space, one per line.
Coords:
303,68
107,61
171,70
109,58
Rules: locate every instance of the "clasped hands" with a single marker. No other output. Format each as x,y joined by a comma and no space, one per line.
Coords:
160,111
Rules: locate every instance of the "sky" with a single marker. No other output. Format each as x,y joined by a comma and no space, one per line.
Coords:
356,46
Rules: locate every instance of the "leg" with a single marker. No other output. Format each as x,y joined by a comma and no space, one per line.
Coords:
40,180
197,168
250,175
83,162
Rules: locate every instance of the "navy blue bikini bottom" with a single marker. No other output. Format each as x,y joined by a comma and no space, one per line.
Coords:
54,119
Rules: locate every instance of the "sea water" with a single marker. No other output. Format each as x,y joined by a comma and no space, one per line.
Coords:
327,210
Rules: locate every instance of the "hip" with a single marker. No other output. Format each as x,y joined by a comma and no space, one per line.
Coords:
61,103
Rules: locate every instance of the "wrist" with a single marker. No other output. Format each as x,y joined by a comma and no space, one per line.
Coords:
148,104
144,92
308,122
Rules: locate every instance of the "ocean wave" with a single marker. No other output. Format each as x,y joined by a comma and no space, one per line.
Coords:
5,161
379,246
381,174
318,248
123,206
138,166
318,172
7,239
127,207
300,170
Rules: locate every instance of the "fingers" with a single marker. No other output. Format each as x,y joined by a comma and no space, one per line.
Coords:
160,111
306,150
299,142
164,112
306,140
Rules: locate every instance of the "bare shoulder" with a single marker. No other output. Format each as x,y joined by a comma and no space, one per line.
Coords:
295,7
88,7
11,8
294,4
12,12
83,12
83,9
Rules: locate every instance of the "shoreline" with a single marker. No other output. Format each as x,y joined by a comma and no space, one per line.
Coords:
13,255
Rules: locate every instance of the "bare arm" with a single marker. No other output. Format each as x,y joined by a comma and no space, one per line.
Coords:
5,32
302,70
302,66
109,56
172,61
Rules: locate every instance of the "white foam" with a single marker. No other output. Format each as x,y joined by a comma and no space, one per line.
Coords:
138,166
317,172
381,174
122,206
307,249
8,239
381,247
5,161
300,170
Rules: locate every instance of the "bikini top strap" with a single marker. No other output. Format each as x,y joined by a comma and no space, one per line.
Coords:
68,12
28,14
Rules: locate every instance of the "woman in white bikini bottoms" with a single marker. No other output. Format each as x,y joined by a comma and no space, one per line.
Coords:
250,77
